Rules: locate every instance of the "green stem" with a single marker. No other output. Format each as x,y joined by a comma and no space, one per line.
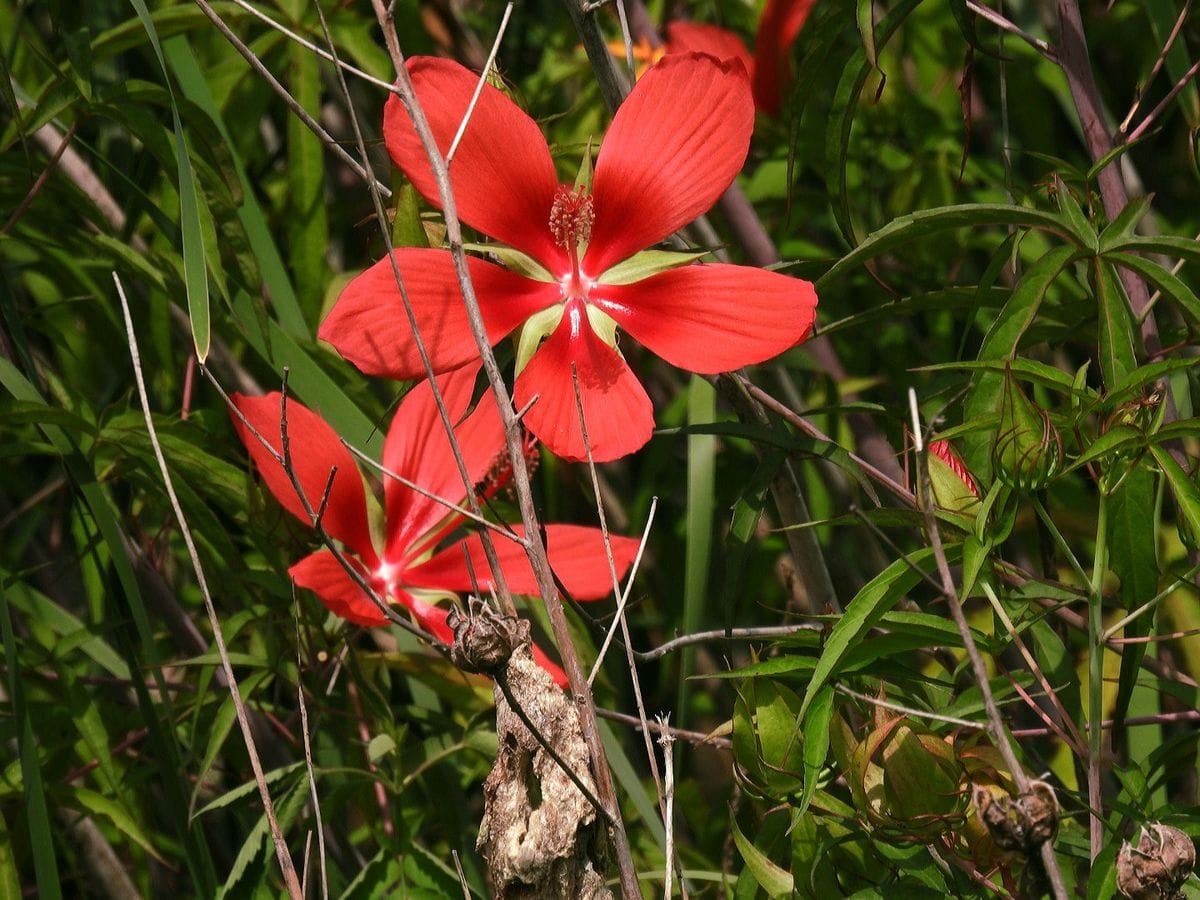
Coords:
1096,676
1059,541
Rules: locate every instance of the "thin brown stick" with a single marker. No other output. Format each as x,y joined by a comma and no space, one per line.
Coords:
485,538
1187,715
281,849
950,594
308,768
1123,129
692,737
1152,116
41,180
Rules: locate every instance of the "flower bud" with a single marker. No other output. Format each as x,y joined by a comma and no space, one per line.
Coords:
907,781
953,487
1158,866
1028,450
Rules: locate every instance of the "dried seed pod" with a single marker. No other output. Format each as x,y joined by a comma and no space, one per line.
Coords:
1020,824
483,639
1158,866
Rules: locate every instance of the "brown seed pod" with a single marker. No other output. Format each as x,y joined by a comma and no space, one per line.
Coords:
483,639
1158,866
1020,824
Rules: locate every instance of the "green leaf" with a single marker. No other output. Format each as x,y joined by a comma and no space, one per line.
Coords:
773,879
1187,495
119,816
37,816
1133,544
1163,279
926,222
1083,230
876,598
1116,328
816,742
1001,342
841,117
701,508
194,270
1122,227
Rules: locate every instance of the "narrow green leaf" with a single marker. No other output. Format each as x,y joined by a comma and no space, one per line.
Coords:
37,815
1084,231
773,879
194,271
841,116
701,503
266,254
118,816
926,222
1163,279
308,222
876,598
1183,487
1116,328
1122,227
1001,342
816,742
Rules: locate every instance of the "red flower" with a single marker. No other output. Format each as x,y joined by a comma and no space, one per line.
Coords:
777,29
410,570
770,68
674,145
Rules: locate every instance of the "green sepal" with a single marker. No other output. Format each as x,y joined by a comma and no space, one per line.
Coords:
647,263
521,263
538,326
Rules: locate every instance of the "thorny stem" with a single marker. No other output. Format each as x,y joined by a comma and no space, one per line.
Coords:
536,550
281,849
950,594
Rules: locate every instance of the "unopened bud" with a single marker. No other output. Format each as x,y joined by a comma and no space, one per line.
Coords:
953,487
1028,450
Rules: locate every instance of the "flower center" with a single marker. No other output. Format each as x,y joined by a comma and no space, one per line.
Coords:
571,219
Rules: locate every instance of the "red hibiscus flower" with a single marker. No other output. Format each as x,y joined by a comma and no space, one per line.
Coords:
674,145
411,570
770,72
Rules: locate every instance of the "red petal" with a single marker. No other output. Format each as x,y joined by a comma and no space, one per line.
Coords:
578,558
447,570
540,657
619,417
418,449
712,318
431,618
695,37
674,146
315,452
576,554
503,178
781,22
322,574
369,325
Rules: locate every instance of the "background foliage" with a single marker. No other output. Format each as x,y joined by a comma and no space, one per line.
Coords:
928,172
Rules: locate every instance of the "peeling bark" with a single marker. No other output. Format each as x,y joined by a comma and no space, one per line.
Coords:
540,834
